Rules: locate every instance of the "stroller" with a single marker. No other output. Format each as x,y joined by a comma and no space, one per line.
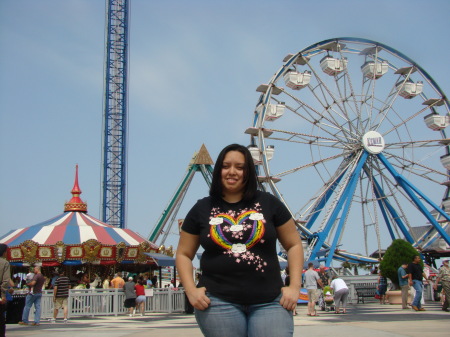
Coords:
326,300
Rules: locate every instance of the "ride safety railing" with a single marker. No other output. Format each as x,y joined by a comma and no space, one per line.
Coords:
104,302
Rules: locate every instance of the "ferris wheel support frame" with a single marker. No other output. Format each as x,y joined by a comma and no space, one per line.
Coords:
345,202
323,200
409,188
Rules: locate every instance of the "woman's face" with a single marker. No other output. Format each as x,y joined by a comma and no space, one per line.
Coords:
233,175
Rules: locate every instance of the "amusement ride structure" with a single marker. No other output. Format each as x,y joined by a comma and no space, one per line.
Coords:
76,239
361,148
114,173
201,162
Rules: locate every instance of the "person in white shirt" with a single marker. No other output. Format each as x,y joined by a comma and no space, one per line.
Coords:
340,294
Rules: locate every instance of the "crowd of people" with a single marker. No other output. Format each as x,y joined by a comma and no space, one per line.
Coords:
34,283
411,277
321,285
134,290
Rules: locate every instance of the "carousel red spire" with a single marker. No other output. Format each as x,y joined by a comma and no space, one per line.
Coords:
75,204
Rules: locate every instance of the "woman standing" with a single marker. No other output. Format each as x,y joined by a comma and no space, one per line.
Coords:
240,292
340,294
107,282
140,293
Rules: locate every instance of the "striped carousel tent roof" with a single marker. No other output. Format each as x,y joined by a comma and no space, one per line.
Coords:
74,226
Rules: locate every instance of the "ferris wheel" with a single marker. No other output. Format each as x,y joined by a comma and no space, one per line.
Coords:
350,134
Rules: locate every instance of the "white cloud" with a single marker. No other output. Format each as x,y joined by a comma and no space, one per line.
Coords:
256,216
215,221
238,248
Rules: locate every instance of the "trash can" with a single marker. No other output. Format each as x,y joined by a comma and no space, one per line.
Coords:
14,309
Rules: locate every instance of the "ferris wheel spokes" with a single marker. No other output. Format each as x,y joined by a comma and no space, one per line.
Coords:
416,168
339,118
316,116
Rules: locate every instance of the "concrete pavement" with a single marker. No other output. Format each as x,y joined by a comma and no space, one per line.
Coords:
366,320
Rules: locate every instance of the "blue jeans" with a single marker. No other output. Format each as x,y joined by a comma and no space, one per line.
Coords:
29,301
224,319
418,287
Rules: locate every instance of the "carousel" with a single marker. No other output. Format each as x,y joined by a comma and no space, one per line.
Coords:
78,243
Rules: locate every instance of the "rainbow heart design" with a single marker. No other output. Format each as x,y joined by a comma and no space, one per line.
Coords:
237,224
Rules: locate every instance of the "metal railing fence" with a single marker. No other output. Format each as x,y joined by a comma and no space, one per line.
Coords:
104,302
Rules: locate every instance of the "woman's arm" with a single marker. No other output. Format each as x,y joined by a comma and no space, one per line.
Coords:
187,247
291,242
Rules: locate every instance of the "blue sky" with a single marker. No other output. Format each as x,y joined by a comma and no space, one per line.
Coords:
194,67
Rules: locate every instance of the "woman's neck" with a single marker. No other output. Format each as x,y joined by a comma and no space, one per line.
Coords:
233,198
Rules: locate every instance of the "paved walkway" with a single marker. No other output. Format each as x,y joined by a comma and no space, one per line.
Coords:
366,320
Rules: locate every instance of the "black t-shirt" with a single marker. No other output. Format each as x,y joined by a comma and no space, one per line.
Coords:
416,271
240,262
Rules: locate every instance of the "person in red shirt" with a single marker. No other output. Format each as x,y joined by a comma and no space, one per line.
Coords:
140,295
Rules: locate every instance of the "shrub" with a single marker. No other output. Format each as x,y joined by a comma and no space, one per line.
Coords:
398,252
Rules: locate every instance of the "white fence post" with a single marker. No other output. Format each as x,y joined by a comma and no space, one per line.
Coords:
170,301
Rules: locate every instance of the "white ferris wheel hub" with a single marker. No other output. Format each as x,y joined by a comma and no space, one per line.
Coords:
373,142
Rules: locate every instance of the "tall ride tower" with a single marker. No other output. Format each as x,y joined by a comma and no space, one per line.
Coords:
114,174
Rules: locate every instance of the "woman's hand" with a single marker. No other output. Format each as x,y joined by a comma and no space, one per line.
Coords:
197,297
289,297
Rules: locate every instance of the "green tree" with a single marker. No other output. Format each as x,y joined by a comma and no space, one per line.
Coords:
398,252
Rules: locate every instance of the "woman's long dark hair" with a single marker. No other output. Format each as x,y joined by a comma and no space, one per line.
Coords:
250,178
